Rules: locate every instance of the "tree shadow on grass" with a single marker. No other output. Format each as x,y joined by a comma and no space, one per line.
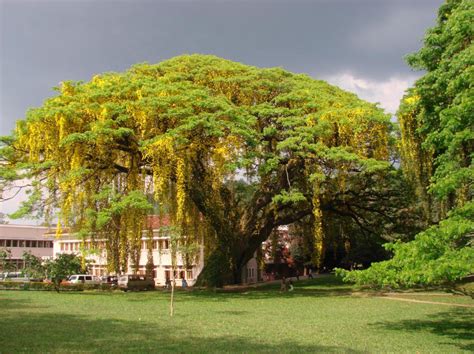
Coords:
15,304
319,287
217,296
456,324
46,332
268,293
327,286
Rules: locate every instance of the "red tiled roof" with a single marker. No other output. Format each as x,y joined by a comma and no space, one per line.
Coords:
155,221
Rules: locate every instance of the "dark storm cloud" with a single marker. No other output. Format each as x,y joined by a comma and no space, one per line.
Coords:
45,42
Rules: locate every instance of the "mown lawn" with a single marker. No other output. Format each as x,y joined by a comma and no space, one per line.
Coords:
319,316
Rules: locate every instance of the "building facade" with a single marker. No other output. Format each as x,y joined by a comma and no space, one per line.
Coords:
43,243
22,238
96,254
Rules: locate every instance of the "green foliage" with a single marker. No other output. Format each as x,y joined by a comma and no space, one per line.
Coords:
230,151
33,266
5,256
297,253
289,197
443,99
62,267
51,286
436,120
28,206
443,253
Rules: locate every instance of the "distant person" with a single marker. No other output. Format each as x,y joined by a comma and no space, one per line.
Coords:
184,283
168,283
283,286
297,275
310,274
290,285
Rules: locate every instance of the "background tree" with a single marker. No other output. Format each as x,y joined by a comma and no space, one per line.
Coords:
34,267
229,151
5,260
62,267
437,126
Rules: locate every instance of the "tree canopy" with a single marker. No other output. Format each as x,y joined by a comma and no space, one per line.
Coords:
437,146
62,267
229,151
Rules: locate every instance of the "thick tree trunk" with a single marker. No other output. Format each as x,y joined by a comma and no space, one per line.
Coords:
217,270
240,229
225,264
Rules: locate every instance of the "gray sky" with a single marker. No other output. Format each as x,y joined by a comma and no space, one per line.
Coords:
356,44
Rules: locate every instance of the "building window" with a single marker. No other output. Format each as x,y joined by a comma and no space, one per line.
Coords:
14,243
250,273
33,244
9,243
2,243
189,274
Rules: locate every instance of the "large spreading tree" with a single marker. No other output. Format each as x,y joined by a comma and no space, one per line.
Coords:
228,151
437,129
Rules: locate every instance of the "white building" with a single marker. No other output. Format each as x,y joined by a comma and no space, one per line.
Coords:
97,256
22,238
41,242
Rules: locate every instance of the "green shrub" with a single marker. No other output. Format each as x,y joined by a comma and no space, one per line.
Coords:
14,285
41,286
105,287
440,255
11,285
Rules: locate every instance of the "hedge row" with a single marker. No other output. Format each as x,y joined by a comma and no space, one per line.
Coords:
13,285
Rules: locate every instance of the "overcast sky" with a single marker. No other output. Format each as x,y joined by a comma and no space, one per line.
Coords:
358,45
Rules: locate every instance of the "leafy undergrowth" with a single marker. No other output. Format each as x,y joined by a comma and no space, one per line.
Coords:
320,315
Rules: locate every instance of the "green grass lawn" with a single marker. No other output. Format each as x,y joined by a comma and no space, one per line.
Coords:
318,316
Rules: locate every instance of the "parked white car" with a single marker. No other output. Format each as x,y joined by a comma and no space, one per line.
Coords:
83,279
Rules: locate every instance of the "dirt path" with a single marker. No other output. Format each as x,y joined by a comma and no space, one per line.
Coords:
424,301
